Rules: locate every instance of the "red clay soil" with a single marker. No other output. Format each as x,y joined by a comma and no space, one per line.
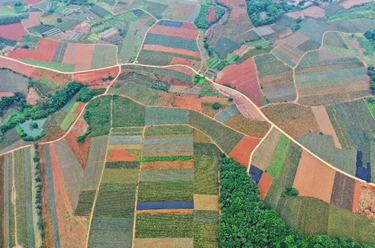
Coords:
81,151
212,15
182,61
188,32
55,77
181,101
95,77
160,48
17,66
79,54
33,96
6,93
168,165
265,184
183,11
44,52
12,31
243,150
48,238
244,78
121,155
79,108
314,178
34,18
72,229
32,1
356,196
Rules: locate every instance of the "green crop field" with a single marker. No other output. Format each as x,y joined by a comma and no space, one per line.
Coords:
278,157
98,115
205,175
104,56
127,113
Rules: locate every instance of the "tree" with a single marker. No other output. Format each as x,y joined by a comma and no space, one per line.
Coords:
216,105
33,125
59,20
85,94
290,191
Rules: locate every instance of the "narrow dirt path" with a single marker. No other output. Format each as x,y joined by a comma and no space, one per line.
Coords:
14,202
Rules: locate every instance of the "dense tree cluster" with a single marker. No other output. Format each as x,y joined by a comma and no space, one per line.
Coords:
263,12
371,73
370,35
38,192
9,20
202,22
40,110
245,221
85,94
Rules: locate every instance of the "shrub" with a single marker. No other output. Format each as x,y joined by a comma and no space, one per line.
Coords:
216,105
290,191
33,125
59,20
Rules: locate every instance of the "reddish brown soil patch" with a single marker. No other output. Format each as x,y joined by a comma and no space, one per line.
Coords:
48,238
314,178
313,11
72,229
55,77
243,150
354,42
356,196
367,201
121,155
212,14
350,3
81,151
6,93
13,31
207,109
80,55
181,101
248,126
183,11
166,154
79,108
17,66
44,52
265,184
34,18
32,1
160,48
168,165
183,32
292,118
182,69
325,124
182,61
95,77
84,27
236,75
33,97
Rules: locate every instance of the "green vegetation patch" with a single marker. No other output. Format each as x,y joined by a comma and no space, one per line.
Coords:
51,65
278,157
202,22
340,223
85,201
160,115
308,220
123,165
370,101
164,225
127,113
127,130
165,191
206,149
205,175
225,137
167,158
104,56
98,115
168,130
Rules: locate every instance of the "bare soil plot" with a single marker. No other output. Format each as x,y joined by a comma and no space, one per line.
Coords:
44,52
168,165
325,124
164,243
80,55
96,77
292,118
175,50
244,149
17,67
314,11
178,32
265,184
206,202
314,178
13,31
343,191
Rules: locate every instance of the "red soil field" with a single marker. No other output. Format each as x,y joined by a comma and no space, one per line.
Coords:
94,77
52,76
181,101
44,52
32,1
34,18
72,229
12,31
212,15
265,184
244,77
243,150
185,31
183,11
314,178
79,54
79,108
81,151
6,93
181,69
160,48
33,97
121,155
16,66
356,196
182,61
